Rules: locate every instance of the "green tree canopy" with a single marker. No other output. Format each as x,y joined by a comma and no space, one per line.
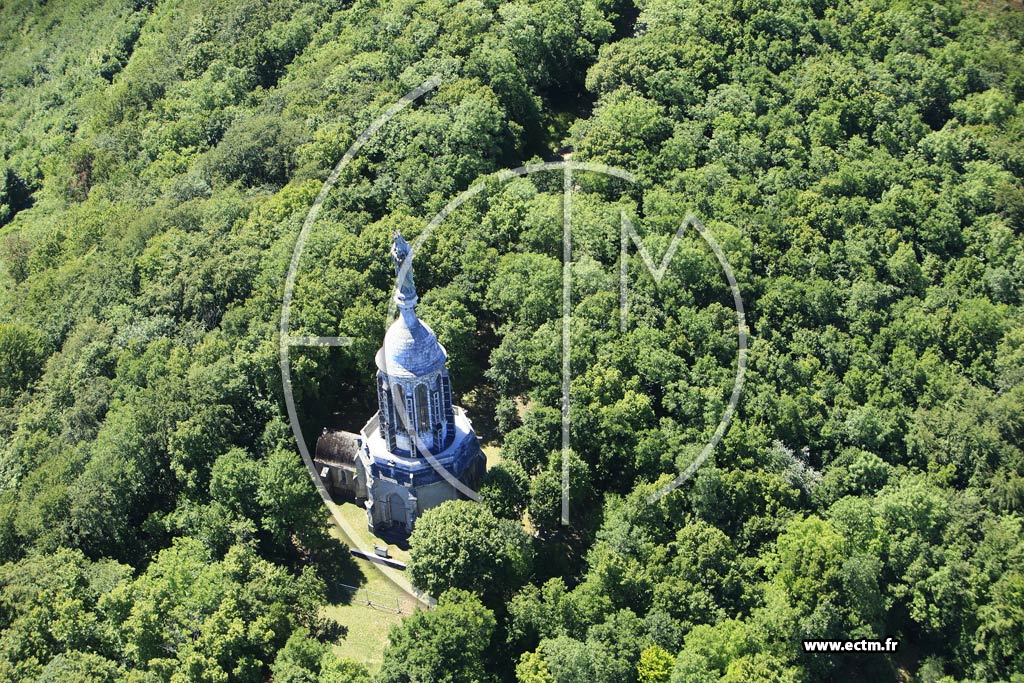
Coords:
461,544
448,644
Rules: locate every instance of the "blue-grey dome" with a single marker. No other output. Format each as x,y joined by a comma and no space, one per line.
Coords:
410,348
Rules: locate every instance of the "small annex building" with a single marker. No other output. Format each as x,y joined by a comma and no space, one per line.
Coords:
336,459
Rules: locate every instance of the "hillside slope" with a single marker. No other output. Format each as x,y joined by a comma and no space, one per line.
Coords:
860,162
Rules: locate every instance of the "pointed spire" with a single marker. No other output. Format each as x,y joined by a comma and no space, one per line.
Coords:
405,289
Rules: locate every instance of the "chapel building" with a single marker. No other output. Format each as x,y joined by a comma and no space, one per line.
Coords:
418,450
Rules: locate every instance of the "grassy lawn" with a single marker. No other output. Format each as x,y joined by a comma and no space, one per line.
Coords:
492,451
355,515
367,625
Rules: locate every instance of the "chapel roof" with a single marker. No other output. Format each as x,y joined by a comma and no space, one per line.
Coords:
410,347
337,447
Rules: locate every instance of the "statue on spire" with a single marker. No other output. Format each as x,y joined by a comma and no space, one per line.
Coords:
401,255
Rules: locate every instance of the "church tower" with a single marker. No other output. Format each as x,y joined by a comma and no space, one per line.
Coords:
419,449
413,390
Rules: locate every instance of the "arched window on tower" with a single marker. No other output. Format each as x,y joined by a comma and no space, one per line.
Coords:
422,410
399,404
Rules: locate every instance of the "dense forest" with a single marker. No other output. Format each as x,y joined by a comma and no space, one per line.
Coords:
861,162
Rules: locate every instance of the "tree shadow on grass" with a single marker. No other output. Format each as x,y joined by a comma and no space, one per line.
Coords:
338,570
336,567
480,404
395,536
